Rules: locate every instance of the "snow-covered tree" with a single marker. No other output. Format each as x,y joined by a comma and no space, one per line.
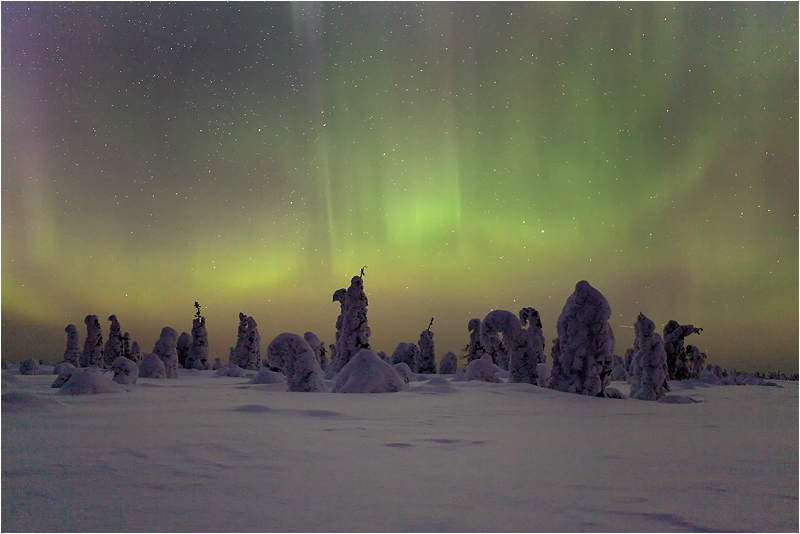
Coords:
125,371
475,348
405,353
92,354
523,359
618,371
448,364
648,377
73,352
113,348
182,347
217,364
383,356
674,335
695,360
628,359
152,366
248,352
136,353
404,371
355,330
318,347
530,319
366,373
295,357
582,358
338,296
482,369
426,358
197,357
29,367
165,348
64,367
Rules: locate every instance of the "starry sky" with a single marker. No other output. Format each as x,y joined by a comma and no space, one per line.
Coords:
473,156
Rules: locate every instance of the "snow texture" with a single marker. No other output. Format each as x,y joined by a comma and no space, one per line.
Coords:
248,354
426,358
448,364
582,358
24,401
318,347
265,376
405,353
125,371
136,353
113,348
182,347
648,378
29,367
674,335
152,366
404,371
73,352
355,330
92,354
295,357
475,349
197,357
516,342
63,367
165,348
482,369
88,383
366,373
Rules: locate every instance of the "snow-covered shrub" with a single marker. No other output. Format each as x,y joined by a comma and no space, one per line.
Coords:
383,356
405,353
113,348
230,370
92,354
618,371
65,374
366,373
426,358
29,367
265,376
182,347
524,357
63,367
475,348
648,371
613,393
531,321
404,372
249,351
217,364
86,383
125,371
136,353
674,334
73,352
582,357
355,330
197,357
151,366
448,364
318,347
294,356
482,369
165,348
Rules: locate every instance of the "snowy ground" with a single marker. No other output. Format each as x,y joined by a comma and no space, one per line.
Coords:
217,454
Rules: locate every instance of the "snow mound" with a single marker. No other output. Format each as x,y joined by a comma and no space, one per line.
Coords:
22,401
152,366
613,393
11,380
63,367
676,399
367,373
125,371
404,371
436,385
29,367
481,369
265,376
230,369
81,383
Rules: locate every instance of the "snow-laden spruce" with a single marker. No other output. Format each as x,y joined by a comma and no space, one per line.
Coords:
338,296
30,367
674,335
628,360
113,348
648,376
582,357
125,371
136,353
318,347
355,331
165,348
92,354
618,371
531,321
182,347
366,373
523,356
197,357
695,360
426,357
405,353
73,352
152,366
293,355
248,346
448,364
475,349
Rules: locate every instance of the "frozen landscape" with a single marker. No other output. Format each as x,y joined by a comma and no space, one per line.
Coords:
214,453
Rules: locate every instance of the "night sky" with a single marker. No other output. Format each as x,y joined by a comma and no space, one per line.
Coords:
474,156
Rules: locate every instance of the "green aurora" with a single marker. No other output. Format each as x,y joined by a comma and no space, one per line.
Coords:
473,156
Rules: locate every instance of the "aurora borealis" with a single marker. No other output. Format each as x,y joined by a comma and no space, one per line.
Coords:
474,156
